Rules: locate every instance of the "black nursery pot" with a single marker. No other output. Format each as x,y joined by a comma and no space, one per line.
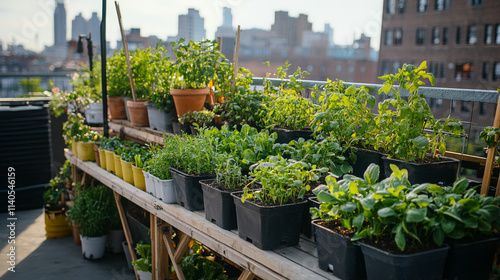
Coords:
338,254
179,128
364,159
188,189
219,206
427,265
442,173
472,260
269,227
285,135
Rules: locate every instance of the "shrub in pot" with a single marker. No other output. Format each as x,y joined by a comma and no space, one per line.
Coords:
143,264
272,216
118,85
55,209
402,131
158,167
195,65
197,119
90,212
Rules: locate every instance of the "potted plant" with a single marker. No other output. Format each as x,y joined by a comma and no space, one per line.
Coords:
141,156
402,131
219,204
85,145
109,146
194,161
197,119
118,85
90,213
158,168
469,223
72,128
55,209
272,216
195,65
143,264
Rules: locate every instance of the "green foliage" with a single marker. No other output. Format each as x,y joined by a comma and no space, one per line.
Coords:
401,130
74,127
283,180
110,144
202,118
160,161
65,172
490,136
198,267
31,84
92,211
244,107
193,155
198,63
228,172
53,192
144,262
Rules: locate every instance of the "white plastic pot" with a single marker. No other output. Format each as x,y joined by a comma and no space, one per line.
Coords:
144,275
93,248
93,113
150,183
165,190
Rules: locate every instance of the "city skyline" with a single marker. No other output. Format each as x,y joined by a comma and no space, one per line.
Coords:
32,25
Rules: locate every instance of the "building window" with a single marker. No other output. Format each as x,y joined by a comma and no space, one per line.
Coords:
476,2
488,34
486,70
420,36
385,68
435,36
465,108
422,6
453,105
497,35
398,36
445,35
463,71
458,38
388,38
339,68
441,71
395,67
402,6
496,71
471,34
362,69
442,5
391,7
439,103
482,108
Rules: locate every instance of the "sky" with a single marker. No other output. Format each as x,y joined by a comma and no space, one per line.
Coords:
30,22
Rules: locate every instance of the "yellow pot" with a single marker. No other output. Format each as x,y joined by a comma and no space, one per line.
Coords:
128,174
102,156
56,225
86,151
139,181
118,166
74,148
110,161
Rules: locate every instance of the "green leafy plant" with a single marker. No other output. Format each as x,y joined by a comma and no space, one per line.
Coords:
228,173
144,262
74,127
160,161
52,197
283,181
194,155
202,118
197,266
490,136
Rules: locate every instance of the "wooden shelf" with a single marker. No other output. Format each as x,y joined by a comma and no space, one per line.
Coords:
297,262
144,134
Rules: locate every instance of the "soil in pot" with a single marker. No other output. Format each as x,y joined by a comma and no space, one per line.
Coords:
116,107
336,252
269,227
138,112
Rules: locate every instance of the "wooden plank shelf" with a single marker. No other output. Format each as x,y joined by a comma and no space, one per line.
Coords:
144,134
297,262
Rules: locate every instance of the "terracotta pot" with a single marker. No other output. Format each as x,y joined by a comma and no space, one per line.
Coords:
186,100
116,107
138,112
76,236
97,155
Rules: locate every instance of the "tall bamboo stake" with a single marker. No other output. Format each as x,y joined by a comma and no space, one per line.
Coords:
491,156
125,48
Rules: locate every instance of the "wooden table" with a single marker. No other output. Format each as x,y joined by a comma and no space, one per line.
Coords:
297,262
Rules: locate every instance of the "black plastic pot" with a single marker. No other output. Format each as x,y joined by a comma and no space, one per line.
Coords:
471,260
179,128
338,254
188,189
285,135
427,265
269,227
442,173
364,159
307,228
219,206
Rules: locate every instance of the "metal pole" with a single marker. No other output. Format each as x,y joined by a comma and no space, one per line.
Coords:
103,71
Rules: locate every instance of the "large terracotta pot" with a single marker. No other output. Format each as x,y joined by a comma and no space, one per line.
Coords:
116,107
186,100
138,112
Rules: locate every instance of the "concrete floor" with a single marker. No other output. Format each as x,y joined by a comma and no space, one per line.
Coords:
37,257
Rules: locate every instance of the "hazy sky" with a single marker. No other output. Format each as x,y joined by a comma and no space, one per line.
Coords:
30,22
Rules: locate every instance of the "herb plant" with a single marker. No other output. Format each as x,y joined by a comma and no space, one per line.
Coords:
144,262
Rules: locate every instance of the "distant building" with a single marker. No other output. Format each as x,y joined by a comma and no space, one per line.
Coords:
329,34
78,26
94,27
135,40
226,30
460,40
290,28
60,23
191,26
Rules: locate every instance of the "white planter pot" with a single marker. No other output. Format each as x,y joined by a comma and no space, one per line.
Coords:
93,248
166,191
93,113
127,255
144,275
115,239
150,183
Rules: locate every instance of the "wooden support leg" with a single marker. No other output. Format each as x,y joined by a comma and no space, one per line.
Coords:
126,229
154,260
160,256
246,275
84,179
176,254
